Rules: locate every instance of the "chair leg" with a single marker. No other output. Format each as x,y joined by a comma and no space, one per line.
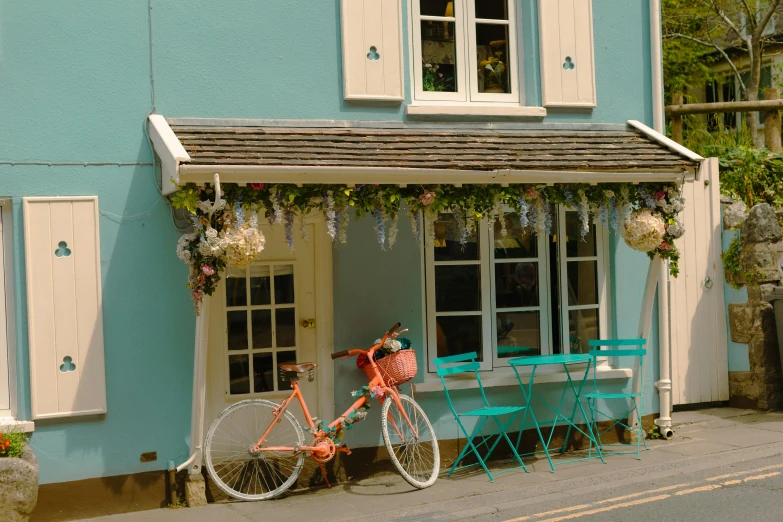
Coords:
472,447
503,433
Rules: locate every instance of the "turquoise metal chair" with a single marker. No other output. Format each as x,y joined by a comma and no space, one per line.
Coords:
450,366
633,399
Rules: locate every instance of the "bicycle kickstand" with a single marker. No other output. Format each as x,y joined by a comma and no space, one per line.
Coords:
323,472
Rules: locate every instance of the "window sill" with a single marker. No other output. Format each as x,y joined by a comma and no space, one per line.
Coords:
507,378
9,424
475,110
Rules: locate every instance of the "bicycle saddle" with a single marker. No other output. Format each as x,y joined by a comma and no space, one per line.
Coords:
298,368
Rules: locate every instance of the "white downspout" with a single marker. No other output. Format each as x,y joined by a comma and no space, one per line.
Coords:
664,384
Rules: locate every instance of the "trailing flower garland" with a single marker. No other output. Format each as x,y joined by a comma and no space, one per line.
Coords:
644,214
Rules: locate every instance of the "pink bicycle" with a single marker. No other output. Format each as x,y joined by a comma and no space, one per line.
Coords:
255,448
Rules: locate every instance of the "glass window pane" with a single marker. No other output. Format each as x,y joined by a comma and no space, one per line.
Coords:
582,327
286,357
237,330
439,56
458,335
285,327
238,374
582,283
492,52
576,245
236,288
284,284
492,9
516,284
263,372
437,7
518,334
259,285
447,238
262,328
518,243
457,288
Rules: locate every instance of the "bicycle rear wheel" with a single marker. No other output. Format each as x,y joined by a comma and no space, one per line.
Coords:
242,473
416,457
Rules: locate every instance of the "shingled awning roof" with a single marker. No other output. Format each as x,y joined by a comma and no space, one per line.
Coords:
408,154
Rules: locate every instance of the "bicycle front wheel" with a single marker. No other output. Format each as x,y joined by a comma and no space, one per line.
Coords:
413,448
253,475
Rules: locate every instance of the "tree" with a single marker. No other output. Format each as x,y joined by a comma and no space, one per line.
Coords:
730,30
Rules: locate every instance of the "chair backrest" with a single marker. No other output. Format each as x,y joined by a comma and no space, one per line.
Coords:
449,365
613,351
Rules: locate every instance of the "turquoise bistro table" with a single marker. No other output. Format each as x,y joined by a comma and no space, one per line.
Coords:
533,362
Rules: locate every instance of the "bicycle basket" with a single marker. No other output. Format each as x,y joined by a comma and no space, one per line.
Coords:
397,368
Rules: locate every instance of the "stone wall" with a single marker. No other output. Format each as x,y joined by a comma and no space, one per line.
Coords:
753,322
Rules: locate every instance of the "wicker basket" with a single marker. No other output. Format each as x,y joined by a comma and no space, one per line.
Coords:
396,368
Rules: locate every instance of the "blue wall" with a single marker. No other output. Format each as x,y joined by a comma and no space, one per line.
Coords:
75,87
739,358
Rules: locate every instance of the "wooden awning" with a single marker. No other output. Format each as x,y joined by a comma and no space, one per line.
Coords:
193,150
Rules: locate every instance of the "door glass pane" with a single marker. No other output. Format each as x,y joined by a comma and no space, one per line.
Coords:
492,50
237,330
458,335
238,374
263,372
262,328
582,282
259,285
576,245
439,56
285,326
518,334
236,288
518,242
582,327
437,7
457,288
447,241
286,357
284,284
516,284
492,9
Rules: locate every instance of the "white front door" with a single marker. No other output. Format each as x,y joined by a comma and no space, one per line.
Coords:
698,313
256,321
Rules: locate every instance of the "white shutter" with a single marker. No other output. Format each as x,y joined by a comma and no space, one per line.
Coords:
372,50
64,315
567,62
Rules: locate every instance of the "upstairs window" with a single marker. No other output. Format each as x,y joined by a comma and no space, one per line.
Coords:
466,51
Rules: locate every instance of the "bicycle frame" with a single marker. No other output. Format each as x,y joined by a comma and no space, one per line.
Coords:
322,449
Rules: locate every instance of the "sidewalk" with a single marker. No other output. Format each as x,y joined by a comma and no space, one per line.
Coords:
708,439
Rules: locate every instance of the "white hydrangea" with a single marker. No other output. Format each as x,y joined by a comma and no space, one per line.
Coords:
643,230
243,244
182,252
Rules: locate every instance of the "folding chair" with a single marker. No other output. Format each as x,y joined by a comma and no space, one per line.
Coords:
446,366
633,399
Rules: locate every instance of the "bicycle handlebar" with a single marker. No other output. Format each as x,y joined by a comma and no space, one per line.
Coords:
338,355
370,349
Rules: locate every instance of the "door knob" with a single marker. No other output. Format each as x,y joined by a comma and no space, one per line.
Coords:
707,282
307,323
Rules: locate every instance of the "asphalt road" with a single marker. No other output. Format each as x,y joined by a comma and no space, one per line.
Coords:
750,490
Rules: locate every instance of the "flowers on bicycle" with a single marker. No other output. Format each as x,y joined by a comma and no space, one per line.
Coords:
362,361
377,391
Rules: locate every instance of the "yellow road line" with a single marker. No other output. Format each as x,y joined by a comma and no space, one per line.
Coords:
708,487
740,473
732,482
607,508
639,494
759,477
562,510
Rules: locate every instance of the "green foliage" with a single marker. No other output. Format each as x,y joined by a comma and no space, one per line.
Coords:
12,444
654,433
186,197
733,267
685,62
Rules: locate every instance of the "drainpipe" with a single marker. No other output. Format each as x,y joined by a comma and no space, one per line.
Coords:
664,384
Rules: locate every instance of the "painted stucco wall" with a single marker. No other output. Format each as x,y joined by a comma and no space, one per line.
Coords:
739,358
75,86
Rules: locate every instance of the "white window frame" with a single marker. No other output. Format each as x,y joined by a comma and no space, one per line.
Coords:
8,340
491,362
465,21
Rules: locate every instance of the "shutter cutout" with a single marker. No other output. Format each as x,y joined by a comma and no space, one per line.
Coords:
372,50
567,62
64,315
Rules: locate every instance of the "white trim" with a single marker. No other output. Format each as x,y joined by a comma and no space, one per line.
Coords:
512,24
505,377
324,306
169,150
7,269
394,175
373,98
663,140
475,109
11,425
